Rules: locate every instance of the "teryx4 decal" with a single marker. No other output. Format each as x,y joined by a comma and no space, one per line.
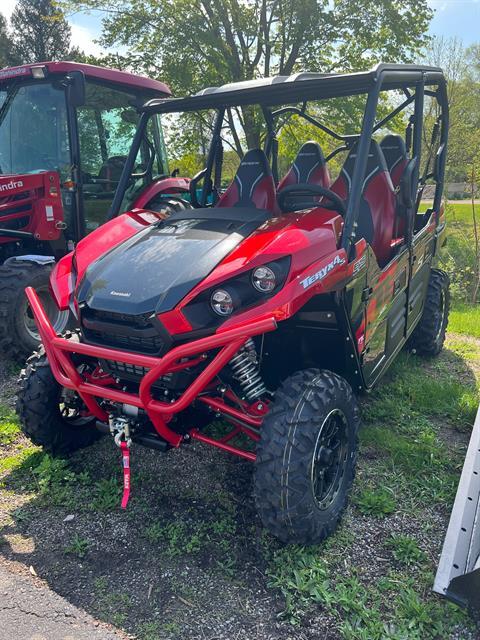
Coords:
320,275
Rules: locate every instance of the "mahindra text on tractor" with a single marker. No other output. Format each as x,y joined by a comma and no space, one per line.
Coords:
271,303
65,132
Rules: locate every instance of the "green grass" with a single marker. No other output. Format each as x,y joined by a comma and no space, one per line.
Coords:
378,503
460,213
405,549
77,547
465,319
9,428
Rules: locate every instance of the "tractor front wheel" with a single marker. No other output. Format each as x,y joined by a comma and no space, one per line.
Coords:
19,335
52,417
306,456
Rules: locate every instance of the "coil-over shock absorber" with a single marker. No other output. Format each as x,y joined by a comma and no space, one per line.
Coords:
244,366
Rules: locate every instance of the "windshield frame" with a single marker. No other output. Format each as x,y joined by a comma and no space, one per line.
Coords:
13,86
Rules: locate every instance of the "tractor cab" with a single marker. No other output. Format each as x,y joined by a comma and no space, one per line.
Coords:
78,121
65,133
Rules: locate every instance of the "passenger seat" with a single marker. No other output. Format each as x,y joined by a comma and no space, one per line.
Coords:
253,185
376,219
309,167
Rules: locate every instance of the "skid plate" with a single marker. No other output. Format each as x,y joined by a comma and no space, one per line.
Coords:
458,574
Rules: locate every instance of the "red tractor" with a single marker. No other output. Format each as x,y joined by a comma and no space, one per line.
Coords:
65,132
270,304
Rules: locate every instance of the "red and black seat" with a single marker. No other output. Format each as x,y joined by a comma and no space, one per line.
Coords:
253,185
309,167
395,152
376,219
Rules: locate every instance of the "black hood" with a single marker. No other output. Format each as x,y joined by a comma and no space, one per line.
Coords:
157,267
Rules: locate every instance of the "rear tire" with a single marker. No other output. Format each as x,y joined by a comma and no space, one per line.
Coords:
19,336
303,478
39,408
429,335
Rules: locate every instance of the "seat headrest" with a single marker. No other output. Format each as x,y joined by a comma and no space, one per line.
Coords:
254,162
253,185
394,150
309,158
253,167
375,163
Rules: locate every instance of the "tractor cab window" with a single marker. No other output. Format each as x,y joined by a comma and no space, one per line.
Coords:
33,129
150,163
106,125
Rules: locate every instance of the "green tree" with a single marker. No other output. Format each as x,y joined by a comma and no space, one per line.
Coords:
40,32
6,57
195,43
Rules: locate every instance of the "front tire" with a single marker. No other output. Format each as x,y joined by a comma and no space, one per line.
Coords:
18,333
306,457
44,416
429,335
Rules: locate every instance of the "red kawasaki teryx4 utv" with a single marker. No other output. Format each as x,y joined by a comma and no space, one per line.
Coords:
271,308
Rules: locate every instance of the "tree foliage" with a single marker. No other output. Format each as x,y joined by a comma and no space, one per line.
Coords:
39,32
6,57
196,43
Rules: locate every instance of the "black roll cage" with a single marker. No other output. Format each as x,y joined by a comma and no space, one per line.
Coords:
304,87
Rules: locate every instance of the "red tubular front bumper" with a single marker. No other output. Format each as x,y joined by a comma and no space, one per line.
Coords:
59,352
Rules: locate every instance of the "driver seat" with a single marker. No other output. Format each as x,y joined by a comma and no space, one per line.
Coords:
309,167
376,219
253,185
111,170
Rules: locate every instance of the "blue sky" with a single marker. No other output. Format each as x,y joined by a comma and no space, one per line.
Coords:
460,18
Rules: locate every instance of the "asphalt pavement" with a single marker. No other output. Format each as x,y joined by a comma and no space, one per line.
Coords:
29,610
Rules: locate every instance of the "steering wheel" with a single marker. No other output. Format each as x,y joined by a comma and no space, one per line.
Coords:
305,190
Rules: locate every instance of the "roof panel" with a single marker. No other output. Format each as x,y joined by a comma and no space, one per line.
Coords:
299,87
112,76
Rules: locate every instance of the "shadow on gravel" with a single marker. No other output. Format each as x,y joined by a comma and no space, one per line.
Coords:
188,559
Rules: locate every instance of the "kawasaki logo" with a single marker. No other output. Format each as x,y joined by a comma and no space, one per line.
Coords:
320,275
123,294
13,184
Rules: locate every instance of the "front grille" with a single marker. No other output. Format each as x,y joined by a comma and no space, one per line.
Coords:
122,368
135,373
15,224
121,331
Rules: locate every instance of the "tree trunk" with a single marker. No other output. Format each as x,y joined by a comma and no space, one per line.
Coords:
251,128
477,247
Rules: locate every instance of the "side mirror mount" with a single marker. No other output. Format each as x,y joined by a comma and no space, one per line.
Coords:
75,82
407,188
438,165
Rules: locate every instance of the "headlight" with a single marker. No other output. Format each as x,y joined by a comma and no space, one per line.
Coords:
263,279
222,302
213,306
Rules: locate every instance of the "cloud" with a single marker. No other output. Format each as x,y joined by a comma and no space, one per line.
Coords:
83,38
7,7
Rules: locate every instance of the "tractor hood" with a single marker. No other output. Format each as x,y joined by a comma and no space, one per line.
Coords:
155,268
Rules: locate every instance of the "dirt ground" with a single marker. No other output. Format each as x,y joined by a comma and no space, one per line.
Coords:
189,559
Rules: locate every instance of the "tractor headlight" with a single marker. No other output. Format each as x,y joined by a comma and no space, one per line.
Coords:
264,279
39,72
222,302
